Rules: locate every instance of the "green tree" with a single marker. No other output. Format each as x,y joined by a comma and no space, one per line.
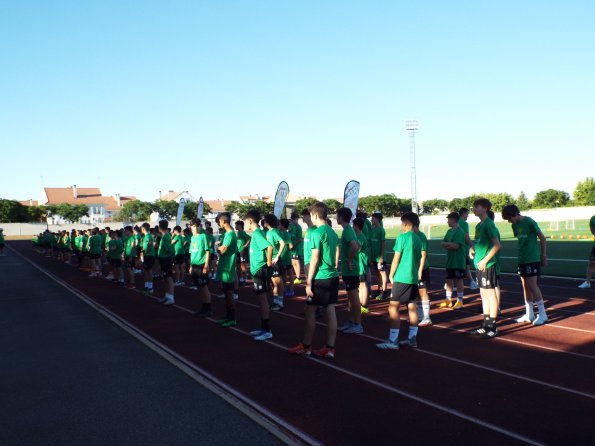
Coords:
135,210
304,203
523,202
584,193
167,209
12,211
73,212
242,208
434,206
233,207
499,200
332,205
191,208
550,198
37,213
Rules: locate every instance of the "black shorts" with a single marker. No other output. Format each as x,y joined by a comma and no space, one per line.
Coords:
404,292
352,282
261,280
487,279
242,257
425,278
529,269
95,256
326,292
179,259
130,262
296,257
116,263
455,274
592,258
165,264
148,262
379,266
199,278
278,269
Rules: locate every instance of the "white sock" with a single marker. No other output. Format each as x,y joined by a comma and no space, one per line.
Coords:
425,305
460,296
393,334
529,309
412,331
448,295
541,308
150,285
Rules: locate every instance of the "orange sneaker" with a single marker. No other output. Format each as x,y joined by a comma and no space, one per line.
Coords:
300,350
325,352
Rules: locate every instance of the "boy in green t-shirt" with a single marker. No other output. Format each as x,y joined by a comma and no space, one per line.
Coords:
367,233
492,217
243,244
591,267
404,276
226,267
363,261
286,258
199,268
532,257
213,257
275,238
350,271
377,248
114,255
261,259
148,257
424,275
456,264
179,256
129,255
165,254
463,216
322,285
483,253
95,250
296,247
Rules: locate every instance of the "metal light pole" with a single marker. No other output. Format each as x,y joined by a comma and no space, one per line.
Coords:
411,126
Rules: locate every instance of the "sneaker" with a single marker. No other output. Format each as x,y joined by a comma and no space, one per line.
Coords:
525,319
478,331
149,290
380,296
490,333
297,281
458,305
256,332
169,301
219,296
203,313
288,293
223,321
93,275
229,323
345,326
473,285
130,286
194,288
446,303
276,306
235,296
586,284
540,320
411,342
364,310
354,329
325,352
425,323
388,345
242,280
110,276
300,350
377,295
263,336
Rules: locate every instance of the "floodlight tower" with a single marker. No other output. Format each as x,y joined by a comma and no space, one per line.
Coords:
411,126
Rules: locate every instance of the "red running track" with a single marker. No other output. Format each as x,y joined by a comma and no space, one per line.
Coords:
530,385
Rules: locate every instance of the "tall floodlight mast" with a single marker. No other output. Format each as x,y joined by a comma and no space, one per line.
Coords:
411,126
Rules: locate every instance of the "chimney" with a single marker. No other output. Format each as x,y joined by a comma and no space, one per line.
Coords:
160,195
118,201
74,192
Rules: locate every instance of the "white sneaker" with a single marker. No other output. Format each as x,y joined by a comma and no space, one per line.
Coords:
92,275
586,284
345,326
425,323
540,319
168,301
235,296
525,319
354,329
263,336
473,285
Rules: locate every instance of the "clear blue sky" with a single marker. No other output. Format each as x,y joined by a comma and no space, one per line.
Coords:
224,98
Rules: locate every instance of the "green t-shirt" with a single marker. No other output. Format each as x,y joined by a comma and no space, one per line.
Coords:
95,244
274,237
178,241
456,259
187,241
378,235
115,248
465,227
498,262
258,251
347,236
408,245
307,243
296,238
86,246
424,247
78,243
325,240
526,230
243,238
130,247
165,250
362,255
226,267
148,245
286,254
199,246
104,240
211,241
484,233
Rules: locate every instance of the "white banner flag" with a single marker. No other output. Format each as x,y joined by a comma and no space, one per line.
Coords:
180,211
280,197
351,197
200,210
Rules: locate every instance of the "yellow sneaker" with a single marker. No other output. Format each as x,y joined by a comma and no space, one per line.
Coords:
364,309
297,281
458,304
445,303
